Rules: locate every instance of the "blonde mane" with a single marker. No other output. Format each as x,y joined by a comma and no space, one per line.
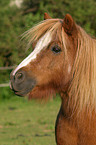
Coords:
82,91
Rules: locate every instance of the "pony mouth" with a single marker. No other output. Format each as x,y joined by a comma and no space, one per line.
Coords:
22,92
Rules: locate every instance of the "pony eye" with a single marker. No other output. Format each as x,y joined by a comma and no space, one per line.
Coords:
56,49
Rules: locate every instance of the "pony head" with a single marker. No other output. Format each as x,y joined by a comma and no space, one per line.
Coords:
48,68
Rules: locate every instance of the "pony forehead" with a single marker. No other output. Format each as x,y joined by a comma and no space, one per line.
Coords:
35,33
41,44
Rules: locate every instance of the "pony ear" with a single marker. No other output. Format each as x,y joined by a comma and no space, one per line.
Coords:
46,16
69,24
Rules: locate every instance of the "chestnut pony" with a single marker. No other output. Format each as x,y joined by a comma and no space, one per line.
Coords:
64,62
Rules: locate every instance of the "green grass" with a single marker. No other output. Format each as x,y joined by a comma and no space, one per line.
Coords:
27,123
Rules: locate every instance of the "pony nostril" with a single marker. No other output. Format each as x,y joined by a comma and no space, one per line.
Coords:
19,77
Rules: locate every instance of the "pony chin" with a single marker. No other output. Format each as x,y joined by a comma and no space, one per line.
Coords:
42,93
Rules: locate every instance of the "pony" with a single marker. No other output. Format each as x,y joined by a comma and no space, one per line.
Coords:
63,61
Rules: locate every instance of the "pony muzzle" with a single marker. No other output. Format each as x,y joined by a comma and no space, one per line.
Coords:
21,83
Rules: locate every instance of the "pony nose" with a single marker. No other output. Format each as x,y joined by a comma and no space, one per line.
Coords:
18,77
17,81
22,83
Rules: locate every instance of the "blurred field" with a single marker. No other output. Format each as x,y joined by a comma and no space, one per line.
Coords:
27,123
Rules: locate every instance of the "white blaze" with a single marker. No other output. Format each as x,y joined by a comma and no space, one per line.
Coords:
43,42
